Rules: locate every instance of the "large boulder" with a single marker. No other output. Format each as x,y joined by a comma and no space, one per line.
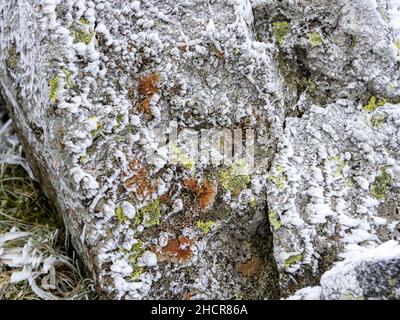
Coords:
128,112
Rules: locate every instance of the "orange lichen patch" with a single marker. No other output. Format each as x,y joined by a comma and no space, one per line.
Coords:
164,198
148,84
176,250
250,267
140,180
147,89
187,295
219,54
184,47
205,192
145,107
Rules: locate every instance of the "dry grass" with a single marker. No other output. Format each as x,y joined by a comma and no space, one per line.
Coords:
36,260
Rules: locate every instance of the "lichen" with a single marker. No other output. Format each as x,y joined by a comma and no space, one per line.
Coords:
274,220
340,164
279,178
53,88
13,58
138,249
373,104
119,213
178,156
205,226
96,132
377,120
315,39
136,273
253,202
82,33
381,184
292,260
151,213
68,78
280,30
235,178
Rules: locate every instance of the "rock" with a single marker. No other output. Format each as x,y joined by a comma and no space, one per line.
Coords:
93,86
334,187
121,109
369,274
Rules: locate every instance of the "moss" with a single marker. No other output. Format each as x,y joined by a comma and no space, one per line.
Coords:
315,39
53,91
205,226
274,220
373,104
381,184
120,215
280,30
279,179
13,57
235,178
377,120
151,214
292,260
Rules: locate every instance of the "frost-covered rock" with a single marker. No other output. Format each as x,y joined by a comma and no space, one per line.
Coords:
95,86
91,86
334,187
368,274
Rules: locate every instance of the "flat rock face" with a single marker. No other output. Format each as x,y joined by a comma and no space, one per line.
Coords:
209,149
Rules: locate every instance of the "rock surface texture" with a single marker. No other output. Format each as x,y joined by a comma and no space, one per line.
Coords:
94,86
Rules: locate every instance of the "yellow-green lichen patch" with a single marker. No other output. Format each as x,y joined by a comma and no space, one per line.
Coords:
377,120
13,58
279,177
119,213
53,88
339,164
381,184
235,178
138,249
397,44
81,32
136,273
315,39
292,260
96,132
274,220
68,78
205,226
151,214
253,202
178,156
374,103
280,30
